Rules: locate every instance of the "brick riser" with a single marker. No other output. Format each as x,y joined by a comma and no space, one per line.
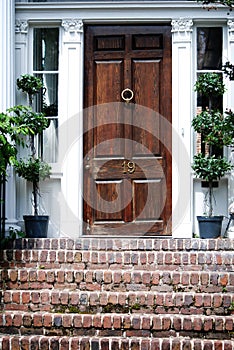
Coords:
117,294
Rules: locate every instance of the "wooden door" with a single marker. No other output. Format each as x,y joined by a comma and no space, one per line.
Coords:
127,130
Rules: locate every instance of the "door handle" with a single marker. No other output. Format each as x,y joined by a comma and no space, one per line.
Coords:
127,95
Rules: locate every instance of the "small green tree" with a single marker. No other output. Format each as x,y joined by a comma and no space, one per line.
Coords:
217,130
32,169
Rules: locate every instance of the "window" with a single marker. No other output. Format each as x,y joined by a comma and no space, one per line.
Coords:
46,67
209,59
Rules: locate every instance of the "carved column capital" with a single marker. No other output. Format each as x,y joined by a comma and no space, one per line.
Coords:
230,24
182,28
21,26
73,28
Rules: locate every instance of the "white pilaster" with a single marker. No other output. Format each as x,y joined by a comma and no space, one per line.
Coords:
181,126
7,14
71,126
230,27
21,67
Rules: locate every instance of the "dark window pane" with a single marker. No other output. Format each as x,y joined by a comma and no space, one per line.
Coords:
45,53
47,100
209,48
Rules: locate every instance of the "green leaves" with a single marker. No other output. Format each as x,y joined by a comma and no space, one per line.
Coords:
32,169
210,84
210,168
216,128
34,123
29,84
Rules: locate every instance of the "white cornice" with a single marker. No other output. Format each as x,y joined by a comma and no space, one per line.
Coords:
121,11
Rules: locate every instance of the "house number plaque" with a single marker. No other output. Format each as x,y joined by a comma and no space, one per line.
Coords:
128,167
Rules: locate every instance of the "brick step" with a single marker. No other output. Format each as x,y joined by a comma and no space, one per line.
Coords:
118,280
102,343
67,301
93,260
116,325
124,244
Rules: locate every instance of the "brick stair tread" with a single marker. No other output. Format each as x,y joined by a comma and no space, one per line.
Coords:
94,259
112,321
102,343
123,243
118,280
101,301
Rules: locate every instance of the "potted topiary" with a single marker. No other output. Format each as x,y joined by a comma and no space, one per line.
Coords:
217,130
32,169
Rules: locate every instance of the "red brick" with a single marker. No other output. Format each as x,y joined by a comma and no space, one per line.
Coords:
37,320
176,344
187,324
219,324
217,300
35,296
113,299
136,322
186,345
14,275
32,276
77,321
208,325
97,321
198,345
107,322
146,277
79,276
55,298
17,320
229,324
143,258
67,321
117,322
218,345
126,322
155,344
87,321
45,297
197,324
15,344
47,320
41,276
7,297
194,278
52,256
165,344
107,276
157,323
223,280
117,277
27,320
168,258
64,297
177,324
185,279
208,345
207,300
23,276
166,323
155,278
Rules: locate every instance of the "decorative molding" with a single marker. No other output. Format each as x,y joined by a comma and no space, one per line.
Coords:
182,29
230,24
73,25
21,26
181,25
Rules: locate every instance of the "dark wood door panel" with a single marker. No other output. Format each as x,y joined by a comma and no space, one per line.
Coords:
127,181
